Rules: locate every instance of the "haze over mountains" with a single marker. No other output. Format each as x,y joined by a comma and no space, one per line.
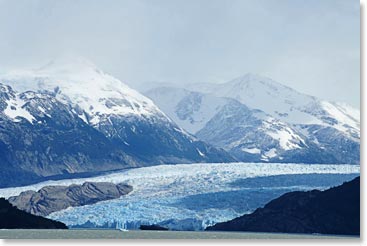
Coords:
257,119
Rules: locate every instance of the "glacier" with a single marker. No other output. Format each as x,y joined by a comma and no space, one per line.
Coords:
194,196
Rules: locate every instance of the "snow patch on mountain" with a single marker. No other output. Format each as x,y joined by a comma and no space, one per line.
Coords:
286,138
15,110
271,153
251,150
200,153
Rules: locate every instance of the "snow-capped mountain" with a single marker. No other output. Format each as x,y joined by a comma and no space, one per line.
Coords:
285,103
258,119
95,93
70,117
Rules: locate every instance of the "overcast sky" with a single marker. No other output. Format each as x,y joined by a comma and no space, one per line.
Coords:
310,45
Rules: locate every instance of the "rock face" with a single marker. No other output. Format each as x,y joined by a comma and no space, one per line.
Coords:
333,211
55,198
13,218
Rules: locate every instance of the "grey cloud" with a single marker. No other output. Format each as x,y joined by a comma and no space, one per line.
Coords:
311,45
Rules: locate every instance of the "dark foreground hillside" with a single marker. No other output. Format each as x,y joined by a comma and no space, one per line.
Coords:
333,211
13,218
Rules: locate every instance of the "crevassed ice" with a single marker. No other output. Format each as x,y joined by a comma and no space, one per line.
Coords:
158,193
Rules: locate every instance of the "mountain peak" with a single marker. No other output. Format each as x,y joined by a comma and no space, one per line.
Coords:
68,64
80,82
64,71
252,77
72,69
254,80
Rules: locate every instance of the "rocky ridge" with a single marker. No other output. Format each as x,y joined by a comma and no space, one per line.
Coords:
50,199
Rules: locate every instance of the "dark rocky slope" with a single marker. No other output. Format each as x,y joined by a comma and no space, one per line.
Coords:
55,198
333,211
13,218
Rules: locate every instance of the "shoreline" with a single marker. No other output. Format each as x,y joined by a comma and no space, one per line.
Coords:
138,234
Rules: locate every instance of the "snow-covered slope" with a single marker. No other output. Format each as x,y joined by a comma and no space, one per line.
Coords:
190,110
285,103
80,82
256,118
